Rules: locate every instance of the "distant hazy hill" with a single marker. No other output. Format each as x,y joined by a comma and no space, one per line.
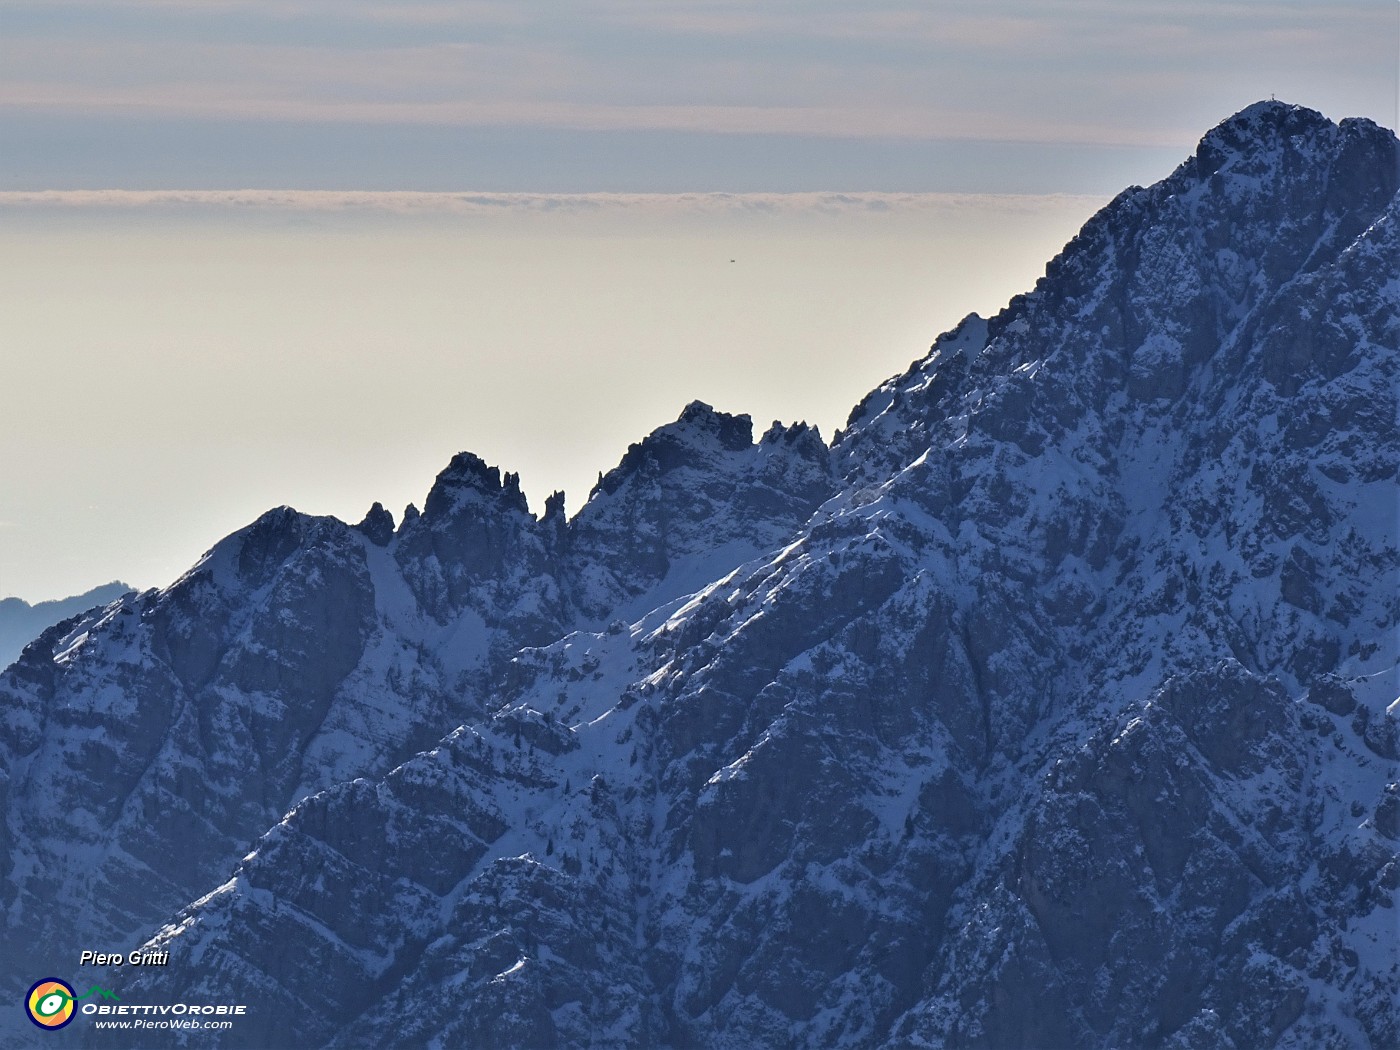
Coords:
21,623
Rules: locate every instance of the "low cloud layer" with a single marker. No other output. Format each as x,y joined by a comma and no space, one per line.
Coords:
607,205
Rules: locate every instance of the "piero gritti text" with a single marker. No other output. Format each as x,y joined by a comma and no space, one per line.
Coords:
134,958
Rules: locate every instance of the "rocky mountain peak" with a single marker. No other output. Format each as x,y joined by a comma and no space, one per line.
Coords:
377,525
697,435
1276,139
554,508
690,488
1154,296
468,474
1261,129
730,431
805,440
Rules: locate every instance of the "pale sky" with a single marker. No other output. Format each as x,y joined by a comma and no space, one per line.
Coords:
173,363
626,95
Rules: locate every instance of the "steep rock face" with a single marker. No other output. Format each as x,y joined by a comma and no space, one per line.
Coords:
1062,722
171,718
1167,885
477,545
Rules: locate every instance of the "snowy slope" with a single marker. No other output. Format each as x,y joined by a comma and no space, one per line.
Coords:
1053,705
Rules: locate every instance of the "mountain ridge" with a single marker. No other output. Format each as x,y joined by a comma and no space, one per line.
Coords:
1051,704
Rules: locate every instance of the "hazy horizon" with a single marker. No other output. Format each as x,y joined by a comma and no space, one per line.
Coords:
303,253
328,352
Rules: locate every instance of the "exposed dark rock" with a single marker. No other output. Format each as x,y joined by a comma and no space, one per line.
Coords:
378,525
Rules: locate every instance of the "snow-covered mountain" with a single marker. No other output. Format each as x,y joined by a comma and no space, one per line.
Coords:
21,623
150,743
1051,705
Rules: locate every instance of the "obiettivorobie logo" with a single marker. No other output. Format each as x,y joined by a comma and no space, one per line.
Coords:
50,1002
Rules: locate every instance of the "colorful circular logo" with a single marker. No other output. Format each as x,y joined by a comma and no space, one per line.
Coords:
50,1003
